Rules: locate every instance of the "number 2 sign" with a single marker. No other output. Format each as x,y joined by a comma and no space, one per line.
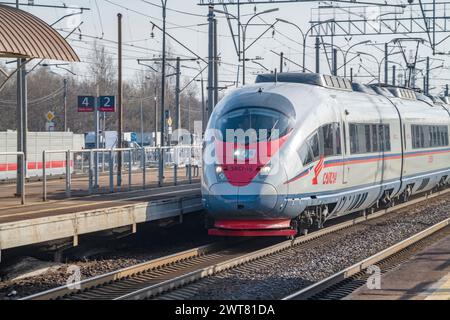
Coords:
107,104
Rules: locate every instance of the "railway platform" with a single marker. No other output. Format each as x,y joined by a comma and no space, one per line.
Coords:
425,276
59,218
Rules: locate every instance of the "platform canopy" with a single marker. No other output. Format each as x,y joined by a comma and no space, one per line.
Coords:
23,35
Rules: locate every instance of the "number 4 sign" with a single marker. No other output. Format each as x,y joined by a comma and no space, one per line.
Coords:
86,104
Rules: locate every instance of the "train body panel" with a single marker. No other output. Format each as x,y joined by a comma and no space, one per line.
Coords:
339,151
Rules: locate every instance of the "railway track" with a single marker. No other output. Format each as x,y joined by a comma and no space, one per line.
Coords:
174,277
343,283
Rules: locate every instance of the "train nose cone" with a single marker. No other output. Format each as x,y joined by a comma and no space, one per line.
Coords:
222,199
256,199
260,198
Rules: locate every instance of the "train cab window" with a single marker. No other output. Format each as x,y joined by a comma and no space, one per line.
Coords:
267,124
429,136
369,138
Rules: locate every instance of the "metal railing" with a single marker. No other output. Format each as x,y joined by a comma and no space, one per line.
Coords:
136,162
20,158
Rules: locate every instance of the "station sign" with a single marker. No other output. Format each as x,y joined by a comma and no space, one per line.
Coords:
107,104
86,104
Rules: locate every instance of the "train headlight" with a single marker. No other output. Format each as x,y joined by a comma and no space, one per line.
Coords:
265,171
220,174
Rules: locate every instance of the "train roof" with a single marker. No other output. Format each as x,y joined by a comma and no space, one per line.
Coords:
338,83
359,87
421,97
307,78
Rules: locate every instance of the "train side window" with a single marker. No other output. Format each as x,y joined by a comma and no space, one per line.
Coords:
416,137
305,155
429,136
368,138
354,145
445,134
326,137
422,137
375,139
337,139
387,138
324,142
315,146
330,140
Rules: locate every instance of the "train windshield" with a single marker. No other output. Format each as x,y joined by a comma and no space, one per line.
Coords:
259,124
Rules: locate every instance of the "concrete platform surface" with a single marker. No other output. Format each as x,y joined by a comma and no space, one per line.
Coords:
56,186
59,219
426,276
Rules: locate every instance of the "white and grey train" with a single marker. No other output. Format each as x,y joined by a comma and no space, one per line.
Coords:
342,147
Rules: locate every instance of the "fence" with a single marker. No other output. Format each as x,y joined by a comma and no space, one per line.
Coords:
140,168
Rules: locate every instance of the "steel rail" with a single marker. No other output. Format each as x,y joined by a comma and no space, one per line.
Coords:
154,290
214,268
124,273
357,268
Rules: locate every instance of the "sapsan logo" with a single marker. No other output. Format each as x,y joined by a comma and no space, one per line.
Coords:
317,170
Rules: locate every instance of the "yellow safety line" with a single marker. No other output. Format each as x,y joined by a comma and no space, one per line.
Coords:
443,291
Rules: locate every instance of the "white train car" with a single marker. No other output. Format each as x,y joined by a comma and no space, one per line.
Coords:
342,148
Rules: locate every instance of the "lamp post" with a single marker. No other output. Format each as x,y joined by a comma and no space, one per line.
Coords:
305,35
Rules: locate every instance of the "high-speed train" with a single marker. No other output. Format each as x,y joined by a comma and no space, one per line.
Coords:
293,151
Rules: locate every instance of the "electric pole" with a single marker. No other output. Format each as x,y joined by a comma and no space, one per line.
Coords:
163,94
335,61
281,62
210,62
386,63
428,76
394,75
317,55
65,105
177,94
216,65
119,103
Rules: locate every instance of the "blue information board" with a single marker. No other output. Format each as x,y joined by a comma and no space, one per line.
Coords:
107,104
86,104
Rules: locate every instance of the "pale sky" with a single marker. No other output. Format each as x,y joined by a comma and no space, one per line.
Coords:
188,25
